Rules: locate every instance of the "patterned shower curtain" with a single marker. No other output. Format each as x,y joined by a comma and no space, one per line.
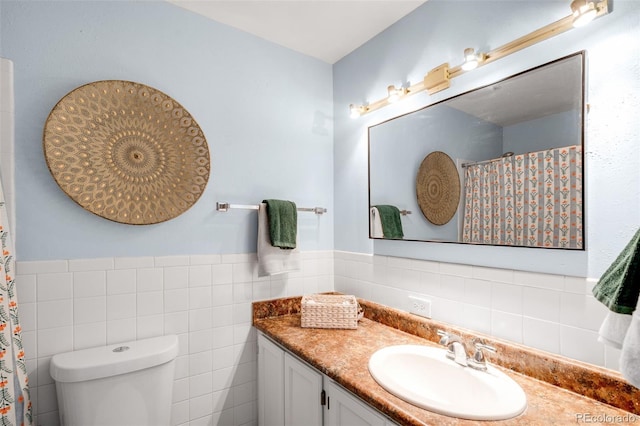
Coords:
15,403
532,199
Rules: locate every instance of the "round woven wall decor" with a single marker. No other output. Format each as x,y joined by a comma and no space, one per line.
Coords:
438,188
126,152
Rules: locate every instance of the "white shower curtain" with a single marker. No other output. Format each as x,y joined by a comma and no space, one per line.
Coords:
15,403
532,200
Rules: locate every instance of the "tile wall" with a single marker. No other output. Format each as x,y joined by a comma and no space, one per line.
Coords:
554,313
205,300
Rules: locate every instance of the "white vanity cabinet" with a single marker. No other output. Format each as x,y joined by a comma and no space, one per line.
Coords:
289,391
292,393
270,383
343,409
302,393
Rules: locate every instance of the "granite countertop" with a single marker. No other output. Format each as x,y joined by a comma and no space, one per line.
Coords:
343,355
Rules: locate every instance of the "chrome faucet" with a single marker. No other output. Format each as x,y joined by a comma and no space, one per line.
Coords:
456,350
478,361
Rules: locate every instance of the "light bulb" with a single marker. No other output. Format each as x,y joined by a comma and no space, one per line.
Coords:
393,94
584,11
470,59
355,111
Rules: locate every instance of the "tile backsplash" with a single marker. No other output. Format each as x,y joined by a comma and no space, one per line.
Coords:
68,305
555,313
206,300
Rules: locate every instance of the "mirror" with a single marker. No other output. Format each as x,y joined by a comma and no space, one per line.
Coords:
499,165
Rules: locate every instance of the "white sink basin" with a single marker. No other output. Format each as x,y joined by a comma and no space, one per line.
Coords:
423,376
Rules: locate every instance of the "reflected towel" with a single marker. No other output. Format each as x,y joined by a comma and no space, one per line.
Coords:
375,224
391,223
273,260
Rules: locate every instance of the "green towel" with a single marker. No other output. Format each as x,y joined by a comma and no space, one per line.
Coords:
283,223
391,223
619,286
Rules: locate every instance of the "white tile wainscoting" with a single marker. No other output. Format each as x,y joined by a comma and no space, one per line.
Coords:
206,300
555,313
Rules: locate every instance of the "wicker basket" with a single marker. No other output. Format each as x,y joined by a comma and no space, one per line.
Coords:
330,311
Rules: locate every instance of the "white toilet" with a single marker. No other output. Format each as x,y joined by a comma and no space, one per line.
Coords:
128,384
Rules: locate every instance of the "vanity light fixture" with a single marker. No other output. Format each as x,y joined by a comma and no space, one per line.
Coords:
357,111
471,59
393,94
439,78
584,11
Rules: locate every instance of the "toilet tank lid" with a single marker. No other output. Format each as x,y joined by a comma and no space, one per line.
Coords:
112,360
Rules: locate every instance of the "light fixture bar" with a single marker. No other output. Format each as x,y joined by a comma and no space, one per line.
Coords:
439,78
541,34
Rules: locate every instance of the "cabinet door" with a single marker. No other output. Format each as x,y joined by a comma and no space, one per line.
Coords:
270,383
302,391
343,409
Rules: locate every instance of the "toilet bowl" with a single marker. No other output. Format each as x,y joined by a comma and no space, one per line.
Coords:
127,384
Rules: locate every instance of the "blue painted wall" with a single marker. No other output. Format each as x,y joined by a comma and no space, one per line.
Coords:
548,132
268,115
265,110
438,32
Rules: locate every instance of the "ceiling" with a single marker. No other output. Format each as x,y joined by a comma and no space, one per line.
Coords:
547,90
324,29
331,29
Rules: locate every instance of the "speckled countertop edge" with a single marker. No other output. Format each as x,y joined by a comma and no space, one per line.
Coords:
580,386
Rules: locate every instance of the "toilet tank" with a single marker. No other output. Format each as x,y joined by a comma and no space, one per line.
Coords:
126,384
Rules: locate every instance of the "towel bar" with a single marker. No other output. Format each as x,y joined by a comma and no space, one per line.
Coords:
405,212
223,207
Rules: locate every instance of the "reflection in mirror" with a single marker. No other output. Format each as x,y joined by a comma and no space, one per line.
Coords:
510,163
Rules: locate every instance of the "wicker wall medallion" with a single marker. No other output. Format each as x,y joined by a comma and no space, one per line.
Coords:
438,188
126,152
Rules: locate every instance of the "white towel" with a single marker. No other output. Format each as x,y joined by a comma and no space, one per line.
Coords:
613,329
630,357
375,224
622,331
273,260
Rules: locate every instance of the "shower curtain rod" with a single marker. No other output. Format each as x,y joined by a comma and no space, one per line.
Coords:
474,163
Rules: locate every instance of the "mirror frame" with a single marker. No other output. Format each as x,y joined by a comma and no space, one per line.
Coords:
582,120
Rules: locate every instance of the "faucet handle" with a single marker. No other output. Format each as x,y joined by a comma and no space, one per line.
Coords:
444,337
447,338
478,361
480,344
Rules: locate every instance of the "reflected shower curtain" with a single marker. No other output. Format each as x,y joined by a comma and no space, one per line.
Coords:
15,403
532,199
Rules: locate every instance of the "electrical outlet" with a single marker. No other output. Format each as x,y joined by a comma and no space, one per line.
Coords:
420,306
